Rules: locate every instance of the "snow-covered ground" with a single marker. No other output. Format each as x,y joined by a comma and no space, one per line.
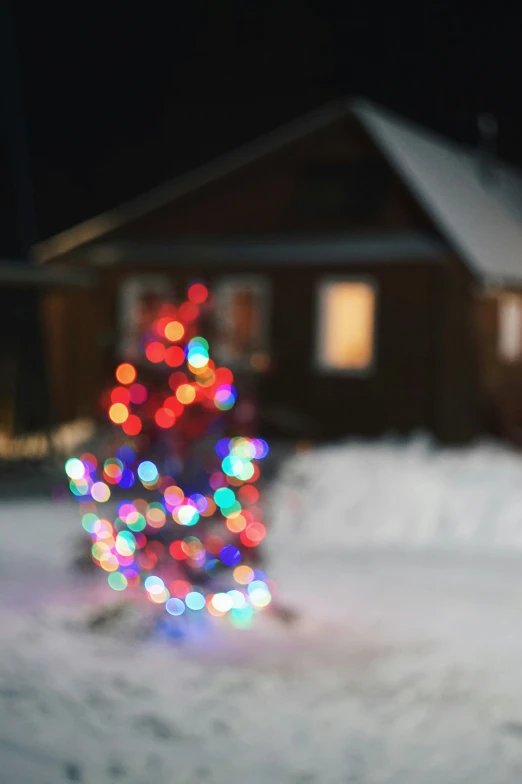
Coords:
405,563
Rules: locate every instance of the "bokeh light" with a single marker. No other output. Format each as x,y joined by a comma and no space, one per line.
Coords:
125,373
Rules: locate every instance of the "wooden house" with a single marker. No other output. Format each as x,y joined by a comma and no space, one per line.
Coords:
367,276
24,403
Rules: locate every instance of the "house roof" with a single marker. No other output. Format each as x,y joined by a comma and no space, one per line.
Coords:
481,219
19,273
232,252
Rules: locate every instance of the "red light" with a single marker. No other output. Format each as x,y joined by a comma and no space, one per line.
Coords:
156,548
89,458
132,426
141,539
147,561
177,552
198,293
160,325
188,312
224,376
214,544
138,394
155,352
248,494
120,395
174,356
217,480
174,405
164,418
180,588
253,534
176,379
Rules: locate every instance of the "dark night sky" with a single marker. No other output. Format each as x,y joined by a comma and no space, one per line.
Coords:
118,100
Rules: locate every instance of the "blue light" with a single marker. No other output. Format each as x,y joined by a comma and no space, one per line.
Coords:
175,606
230,555
147,471
126,454
153,581
127,479
223,447
195,600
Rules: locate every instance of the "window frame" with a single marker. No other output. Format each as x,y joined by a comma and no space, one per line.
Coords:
221,288
319,365
130,290
505,299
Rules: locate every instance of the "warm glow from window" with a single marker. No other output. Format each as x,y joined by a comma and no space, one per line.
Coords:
346,325
510,327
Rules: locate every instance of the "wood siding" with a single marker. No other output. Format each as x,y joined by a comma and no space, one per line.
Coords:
425,373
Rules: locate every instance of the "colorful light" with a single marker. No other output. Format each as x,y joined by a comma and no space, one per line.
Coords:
138,394
220,497
175,606
230,555
74,468
164,418
198,293
155,352
125,373
195,600
147,471
174,331
100,492
118,413
132,426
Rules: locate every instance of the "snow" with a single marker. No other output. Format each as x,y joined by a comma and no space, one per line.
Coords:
404,562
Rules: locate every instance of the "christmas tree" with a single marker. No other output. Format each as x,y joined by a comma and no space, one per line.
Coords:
172,507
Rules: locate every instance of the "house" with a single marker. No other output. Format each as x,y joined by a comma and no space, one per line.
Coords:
24,404
367,276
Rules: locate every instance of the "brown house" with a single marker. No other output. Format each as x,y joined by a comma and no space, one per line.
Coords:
366,275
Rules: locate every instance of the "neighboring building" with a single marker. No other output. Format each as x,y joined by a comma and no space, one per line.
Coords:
367,276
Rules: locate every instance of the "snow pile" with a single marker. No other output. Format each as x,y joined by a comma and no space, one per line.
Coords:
404,664
393,494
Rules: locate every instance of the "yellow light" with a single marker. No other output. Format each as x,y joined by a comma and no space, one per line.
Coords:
118,413
347,325
174,331
186,394
243,575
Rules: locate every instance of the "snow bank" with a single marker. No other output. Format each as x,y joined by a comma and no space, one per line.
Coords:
404,664
413,495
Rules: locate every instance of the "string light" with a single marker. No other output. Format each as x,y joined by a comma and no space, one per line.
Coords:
191,547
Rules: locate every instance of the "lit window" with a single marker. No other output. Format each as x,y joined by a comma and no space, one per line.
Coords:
346,325
140,298
242,322
510,327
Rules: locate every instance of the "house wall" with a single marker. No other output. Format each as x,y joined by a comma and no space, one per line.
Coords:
500,378
424,374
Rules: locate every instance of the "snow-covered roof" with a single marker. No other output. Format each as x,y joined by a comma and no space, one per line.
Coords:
481,219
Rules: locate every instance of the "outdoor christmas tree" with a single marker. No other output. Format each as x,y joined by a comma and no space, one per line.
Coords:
172,506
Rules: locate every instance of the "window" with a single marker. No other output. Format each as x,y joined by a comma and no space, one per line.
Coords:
242,322
346,326
140,298
510,327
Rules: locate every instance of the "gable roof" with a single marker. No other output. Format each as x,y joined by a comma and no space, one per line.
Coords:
481,220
